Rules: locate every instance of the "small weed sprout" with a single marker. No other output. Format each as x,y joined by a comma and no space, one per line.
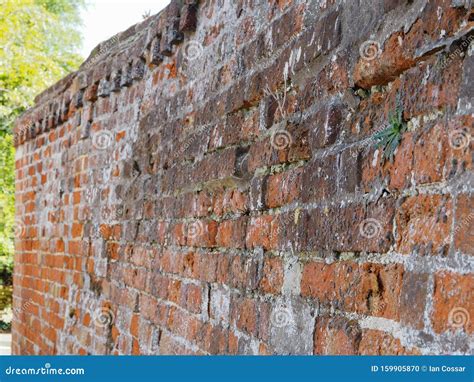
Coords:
389,138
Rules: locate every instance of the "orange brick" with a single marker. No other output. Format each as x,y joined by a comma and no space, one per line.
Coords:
453,302
272,279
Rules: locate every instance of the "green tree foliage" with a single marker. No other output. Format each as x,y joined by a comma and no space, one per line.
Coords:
7,195
39,39
38,44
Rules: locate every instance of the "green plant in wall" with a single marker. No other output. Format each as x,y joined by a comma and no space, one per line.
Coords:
389,138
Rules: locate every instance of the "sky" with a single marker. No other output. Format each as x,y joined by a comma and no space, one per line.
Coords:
104,18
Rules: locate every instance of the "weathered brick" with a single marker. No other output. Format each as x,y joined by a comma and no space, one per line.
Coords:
424,223
272,279
319,179
369,288
222,192
242,272
231,233
262,232
244,314
376,342
283,188
453,303
336,336
188,18
413,298
464,224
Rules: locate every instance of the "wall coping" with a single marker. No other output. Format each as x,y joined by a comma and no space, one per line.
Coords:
112,64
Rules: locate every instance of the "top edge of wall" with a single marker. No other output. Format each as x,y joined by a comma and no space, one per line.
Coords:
112,64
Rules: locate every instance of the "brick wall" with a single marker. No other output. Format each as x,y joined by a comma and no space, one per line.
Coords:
208,183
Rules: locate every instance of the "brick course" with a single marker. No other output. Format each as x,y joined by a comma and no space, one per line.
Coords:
208,183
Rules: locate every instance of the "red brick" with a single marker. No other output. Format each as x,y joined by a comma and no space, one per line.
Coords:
464,224
336,336
242,272
262,232
231,233
193,298
453,302
283,188
244,314
367,288
403,164
376,342
423,224
272,275
134,325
